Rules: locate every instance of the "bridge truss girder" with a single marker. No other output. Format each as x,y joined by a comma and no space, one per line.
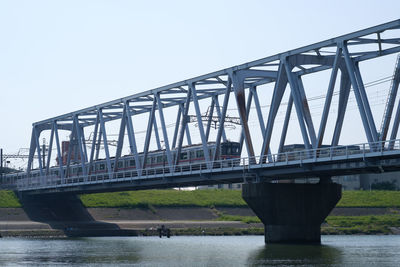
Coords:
284,71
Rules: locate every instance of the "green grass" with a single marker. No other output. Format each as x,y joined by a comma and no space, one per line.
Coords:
227,198
368,220
166,198
361,224
8,199
245,219
370,199
205,198
380,224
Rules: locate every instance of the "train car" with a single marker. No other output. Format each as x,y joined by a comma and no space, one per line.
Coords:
191,158
298,151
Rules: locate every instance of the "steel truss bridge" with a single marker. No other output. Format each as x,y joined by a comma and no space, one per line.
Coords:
285,71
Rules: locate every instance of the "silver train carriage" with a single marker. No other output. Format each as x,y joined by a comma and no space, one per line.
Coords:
190,158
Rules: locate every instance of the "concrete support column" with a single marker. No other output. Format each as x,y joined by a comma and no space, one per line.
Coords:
65,212
292,213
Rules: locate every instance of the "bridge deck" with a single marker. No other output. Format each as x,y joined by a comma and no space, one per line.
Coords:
326,162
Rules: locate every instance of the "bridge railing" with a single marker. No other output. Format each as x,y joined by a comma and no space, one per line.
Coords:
197,168
323,154
148,173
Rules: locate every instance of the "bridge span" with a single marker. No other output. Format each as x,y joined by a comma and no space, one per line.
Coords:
321,163
187,155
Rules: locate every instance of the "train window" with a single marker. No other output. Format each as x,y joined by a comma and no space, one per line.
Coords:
235,149
200,153
120,164
160,159
184,155
112,165
102,166
225,148
192,154
132,162
148,161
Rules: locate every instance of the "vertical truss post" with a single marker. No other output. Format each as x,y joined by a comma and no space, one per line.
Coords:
306,112
183,126
238,85
164,130
156,134
38,151
328,98
351,71
131,137
297,104
80,145
210,115
248,107
96,129
258,109
59,153
390,104
365,102
81,129
259,114
286,124
50,149
345,86
32,149
71,139
279,89
98,146
106,150
188,138
222,121
217,108
148,133
201,128
395,127
178,119
121,136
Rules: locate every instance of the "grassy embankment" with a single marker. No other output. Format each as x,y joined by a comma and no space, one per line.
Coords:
8,199
152,199
228,198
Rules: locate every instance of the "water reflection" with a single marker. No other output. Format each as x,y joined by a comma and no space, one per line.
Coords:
295,255
199,251
79,251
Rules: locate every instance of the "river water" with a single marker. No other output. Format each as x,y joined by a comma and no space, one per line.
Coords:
199,251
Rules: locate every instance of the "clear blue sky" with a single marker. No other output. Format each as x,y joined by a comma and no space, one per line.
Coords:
60,56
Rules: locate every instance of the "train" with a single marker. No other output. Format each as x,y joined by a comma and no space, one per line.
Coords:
191,158
298,151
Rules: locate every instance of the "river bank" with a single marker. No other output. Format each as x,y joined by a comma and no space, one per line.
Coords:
198,221
198,212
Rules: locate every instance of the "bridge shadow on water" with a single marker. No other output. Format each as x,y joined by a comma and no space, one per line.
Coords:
66,212
296,255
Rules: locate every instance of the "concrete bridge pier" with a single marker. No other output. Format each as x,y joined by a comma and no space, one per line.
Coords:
67,213
292,213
